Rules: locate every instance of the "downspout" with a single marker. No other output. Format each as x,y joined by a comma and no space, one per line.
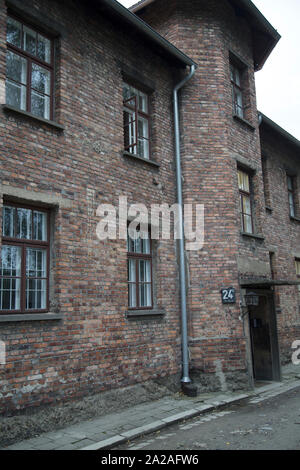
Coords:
184,330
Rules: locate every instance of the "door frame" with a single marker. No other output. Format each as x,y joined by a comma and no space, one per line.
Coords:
273,331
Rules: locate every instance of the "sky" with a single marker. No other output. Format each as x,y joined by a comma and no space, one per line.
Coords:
278,83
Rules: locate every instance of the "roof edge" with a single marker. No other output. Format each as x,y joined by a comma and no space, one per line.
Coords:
149,32
257,17
276,128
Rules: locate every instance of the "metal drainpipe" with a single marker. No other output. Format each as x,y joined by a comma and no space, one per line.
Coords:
184,332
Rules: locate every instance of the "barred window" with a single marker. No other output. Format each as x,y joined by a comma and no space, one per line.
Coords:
24,264
139,271
245,201
237,91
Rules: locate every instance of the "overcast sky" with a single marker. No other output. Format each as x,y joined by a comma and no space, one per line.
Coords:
278,83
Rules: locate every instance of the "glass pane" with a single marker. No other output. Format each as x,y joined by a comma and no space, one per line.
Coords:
143,136
126,92
247,205
40,105
248,224
36,294
129,130
145,295
40,79
10,261
297,263
8,218
24,224
146,245
132,295
290,183
44,49
131,270
29,40
14,32
16,67
16,95
145,271
243,179
39,226
142,102
36,262
10,294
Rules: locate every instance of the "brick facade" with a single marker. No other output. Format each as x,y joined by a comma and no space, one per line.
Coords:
214,144
74,167
94,347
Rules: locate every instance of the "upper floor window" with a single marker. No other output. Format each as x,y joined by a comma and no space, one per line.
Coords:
245,201
237,91
24,264
29,70
139,271
136,121
291,195
297,266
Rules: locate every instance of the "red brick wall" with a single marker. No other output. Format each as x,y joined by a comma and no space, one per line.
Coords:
212,144
95,347
282,233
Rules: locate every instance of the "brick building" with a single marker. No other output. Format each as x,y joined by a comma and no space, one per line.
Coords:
86,118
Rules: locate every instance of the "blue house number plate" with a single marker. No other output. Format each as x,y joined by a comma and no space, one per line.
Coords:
228,296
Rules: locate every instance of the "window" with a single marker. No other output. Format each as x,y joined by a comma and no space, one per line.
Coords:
29,70
136,122
297,265
139,271
245,201
291,195
237,92
24,264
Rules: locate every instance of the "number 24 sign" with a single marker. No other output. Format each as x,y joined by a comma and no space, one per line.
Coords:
228,295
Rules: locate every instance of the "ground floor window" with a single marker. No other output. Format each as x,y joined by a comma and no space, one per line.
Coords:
24,264
139,270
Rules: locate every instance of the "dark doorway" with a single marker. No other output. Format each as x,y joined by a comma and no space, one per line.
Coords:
263,330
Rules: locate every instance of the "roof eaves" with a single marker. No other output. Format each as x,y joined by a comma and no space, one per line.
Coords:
148,32
276,128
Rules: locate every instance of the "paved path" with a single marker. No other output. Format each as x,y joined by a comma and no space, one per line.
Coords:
117,428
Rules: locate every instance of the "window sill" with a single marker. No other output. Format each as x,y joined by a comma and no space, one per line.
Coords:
54,124
294,219
145,313
145,160
30,317
252,235
244,121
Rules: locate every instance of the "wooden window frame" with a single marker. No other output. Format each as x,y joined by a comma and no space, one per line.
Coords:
138,113
31,59
136,257
291,193
24,244
242,195
297,260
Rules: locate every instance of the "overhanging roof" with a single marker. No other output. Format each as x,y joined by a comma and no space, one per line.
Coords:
265,121
260,283
125,17
265,37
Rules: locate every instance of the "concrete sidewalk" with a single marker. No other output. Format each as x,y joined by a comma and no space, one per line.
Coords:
116,428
